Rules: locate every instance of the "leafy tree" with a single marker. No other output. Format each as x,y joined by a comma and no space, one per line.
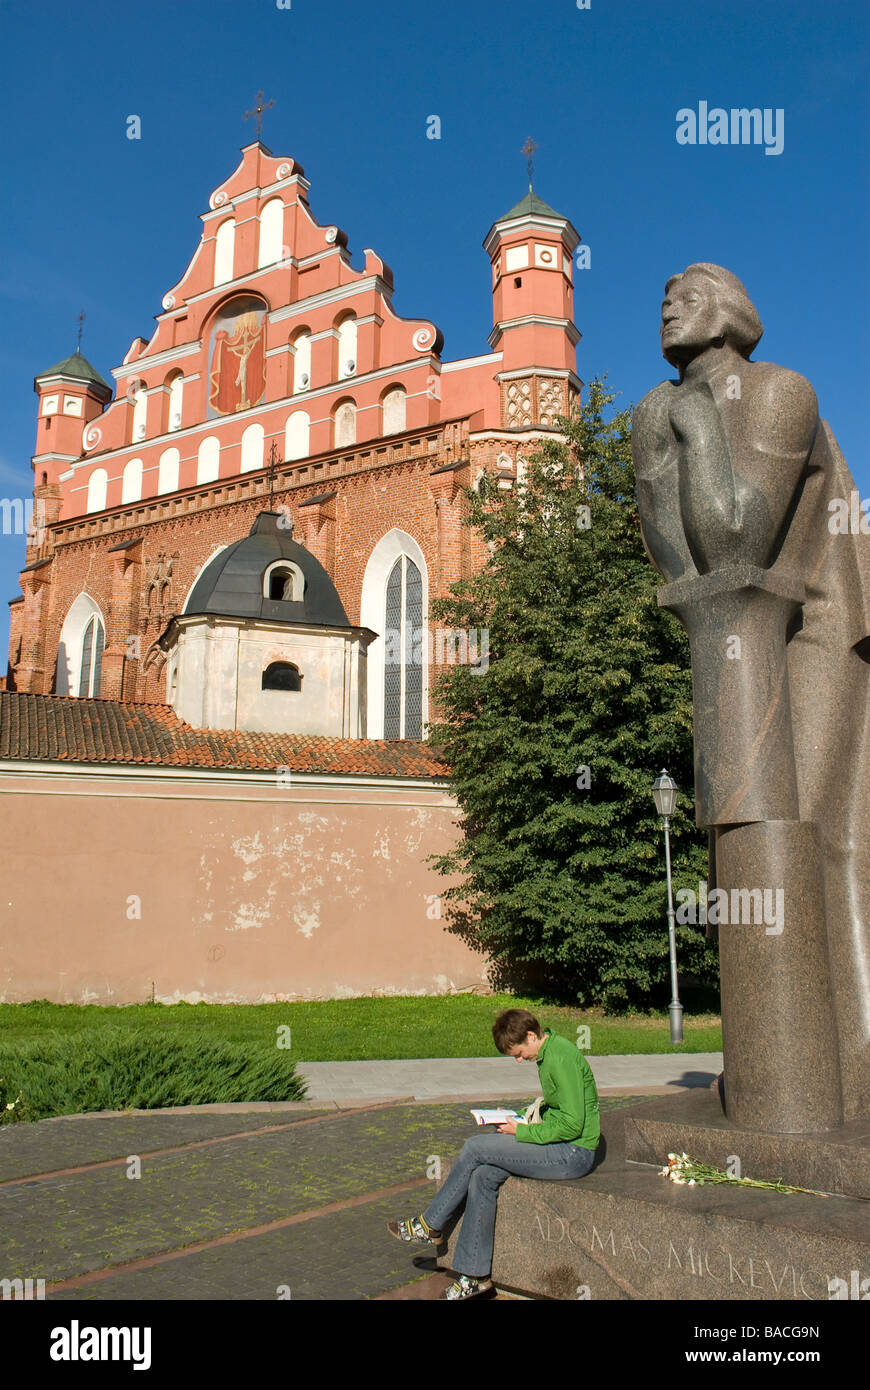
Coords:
563,884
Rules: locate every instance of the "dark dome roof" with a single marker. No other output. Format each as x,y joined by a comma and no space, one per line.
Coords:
232,584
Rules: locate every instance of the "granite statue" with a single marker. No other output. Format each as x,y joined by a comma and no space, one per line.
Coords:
740,487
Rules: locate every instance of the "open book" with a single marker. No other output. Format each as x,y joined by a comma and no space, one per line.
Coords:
495,1117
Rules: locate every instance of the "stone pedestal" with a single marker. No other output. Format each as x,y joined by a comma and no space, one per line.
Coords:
778,1036
834,1161
625,1233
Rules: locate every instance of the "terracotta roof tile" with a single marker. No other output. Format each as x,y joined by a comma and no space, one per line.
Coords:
61,728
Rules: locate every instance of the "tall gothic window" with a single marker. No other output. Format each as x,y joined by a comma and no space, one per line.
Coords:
403,664
92,658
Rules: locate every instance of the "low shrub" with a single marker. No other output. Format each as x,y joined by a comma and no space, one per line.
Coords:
136,1069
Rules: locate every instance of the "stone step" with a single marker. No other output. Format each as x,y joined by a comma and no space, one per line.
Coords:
625,1233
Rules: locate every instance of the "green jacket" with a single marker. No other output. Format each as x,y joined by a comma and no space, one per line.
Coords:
568,1087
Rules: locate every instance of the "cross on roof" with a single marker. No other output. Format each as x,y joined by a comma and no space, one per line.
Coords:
258,111
81,322
529,149
273,459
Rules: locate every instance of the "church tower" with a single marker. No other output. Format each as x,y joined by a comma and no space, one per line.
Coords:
531,250
71,394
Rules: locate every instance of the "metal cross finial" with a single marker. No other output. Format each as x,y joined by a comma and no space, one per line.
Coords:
258,111
529,149
273,459
81,322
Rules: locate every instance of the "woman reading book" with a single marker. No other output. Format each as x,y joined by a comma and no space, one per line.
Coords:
561,1144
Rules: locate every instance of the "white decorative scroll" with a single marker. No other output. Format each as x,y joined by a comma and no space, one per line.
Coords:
284,170
91,436
423,338
218,199
331,234
169,301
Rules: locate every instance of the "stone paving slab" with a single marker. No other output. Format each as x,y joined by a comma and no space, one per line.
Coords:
347,1255
426,1078
69,1140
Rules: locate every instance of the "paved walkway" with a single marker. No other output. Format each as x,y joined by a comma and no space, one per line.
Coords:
241,1202
434,1078
203,1206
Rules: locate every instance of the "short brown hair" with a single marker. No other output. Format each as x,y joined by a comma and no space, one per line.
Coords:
511,1027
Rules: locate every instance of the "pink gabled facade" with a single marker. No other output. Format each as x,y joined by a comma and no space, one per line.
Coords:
276,365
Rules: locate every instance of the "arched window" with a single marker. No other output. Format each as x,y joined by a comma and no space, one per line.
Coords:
271,233
302,362
98,483
396,560
284,581
403,657
131,481
345,424
80,649
296,435
252,448
140,410
347,347
394,410
224,252
281,675
208,460
176,386
167,471
92,658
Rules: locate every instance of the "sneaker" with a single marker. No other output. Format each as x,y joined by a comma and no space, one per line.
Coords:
467,1287
415,1232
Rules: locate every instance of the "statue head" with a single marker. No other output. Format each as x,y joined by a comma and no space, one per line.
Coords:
707,306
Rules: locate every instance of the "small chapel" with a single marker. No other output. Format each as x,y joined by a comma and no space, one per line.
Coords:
214,716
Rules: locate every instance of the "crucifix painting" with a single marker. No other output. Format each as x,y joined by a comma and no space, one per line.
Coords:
237,375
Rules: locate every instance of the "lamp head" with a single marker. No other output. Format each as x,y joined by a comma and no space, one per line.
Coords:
664,790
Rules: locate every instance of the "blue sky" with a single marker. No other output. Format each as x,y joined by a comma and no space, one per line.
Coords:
98,222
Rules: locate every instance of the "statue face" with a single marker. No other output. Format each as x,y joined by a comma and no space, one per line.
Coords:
690,320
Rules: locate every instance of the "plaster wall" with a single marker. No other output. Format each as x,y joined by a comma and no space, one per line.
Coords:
117,886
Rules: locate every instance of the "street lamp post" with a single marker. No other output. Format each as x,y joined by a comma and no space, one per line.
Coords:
664,792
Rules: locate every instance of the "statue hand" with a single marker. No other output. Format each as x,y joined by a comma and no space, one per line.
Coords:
693,411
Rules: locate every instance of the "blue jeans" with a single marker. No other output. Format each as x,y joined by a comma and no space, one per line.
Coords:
478,1173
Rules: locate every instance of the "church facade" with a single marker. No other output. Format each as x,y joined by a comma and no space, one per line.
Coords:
248,530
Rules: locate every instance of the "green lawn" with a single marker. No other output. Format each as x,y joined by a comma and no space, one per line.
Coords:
355,1029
